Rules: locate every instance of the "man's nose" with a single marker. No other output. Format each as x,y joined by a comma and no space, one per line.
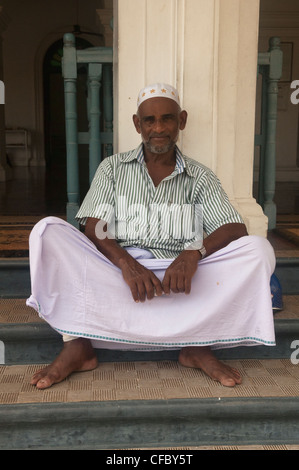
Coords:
159,125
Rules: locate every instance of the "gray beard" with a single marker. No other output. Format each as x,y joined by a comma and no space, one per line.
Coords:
157,149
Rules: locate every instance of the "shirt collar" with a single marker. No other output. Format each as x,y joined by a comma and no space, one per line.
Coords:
137,154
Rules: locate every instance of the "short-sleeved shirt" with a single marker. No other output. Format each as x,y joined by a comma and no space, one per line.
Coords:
164,219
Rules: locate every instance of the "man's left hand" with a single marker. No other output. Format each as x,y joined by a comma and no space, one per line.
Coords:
179,274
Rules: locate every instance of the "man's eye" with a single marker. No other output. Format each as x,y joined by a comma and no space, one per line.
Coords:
149,120
168,118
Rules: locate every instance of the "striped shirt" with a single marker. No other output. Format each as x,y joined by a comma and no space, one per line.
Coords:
165,219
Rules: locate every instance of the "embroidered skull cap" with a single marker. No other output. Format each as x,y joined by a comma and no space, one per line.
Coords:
158,90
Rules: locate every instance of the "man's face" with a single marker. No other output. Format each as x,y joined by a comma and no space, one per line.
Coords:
159,121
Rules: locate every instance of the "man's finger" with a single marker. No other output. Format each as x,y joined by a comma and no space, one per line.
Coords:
166,283
187,285
174,283
181,282
141,290
149,289
134,292
158,289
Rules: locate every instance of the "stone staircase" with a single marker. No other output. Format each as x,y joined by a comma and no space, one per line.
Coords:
145,400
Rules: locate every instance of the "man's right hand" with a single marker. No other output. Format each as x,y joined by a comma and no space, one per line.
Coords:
142,282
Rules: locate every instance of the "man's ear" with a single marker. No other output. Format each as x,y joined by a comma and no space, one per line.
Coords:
183,119
136,121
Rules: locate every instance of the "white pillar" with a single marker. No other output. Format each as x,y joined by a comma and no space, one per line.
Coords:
208,50
237,71
145,50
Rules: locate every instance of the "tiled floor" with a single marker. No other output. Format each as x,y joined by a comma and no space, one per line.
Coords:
34,191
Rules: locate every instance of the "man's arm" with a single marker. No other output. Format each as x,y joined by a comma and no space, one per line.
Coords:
224,235
179,275
142,282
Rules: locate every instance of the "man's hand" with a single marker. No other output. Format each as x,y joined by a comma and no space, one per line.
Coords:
179,274
142,282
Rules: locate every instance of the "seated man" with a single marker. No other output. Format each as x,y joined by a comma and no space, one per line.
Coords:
165,261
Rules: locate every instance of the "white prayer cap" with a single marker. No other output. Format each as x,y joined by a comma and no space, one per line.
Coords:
158,90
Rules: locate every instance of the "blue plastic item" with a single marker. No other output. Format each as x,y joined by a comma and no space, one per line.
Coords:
276,292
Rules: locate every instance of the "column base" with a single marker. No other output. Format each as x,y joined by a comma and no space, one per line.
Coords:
254,218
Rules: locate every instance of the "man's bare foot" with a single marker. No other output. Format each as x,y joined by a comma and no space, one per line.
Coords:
203,358
76,355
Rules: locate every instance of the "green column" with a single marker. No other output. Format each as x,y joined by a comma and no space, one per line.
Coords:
108,106
94,83
69,71
274,75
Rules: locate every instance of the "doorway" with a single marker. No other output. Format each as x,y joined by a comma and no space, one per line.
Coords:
54,122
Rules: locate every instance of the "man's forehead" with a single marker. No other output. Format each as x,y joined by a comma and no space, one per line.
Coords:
158,106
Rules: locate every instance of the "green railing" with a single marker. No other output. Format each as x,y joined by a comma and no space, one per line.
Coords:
270,68
99,137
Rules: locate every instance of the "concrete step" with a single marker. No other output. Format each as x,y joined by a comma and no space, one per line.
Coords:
37,343
15,276
150,405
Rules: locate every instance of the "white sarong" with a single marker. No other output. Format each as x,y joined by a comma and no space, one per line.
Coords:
79,292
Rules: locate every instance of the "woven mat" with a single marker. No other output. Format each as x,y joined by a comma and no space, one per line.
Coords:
14,235
161,380
14,241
